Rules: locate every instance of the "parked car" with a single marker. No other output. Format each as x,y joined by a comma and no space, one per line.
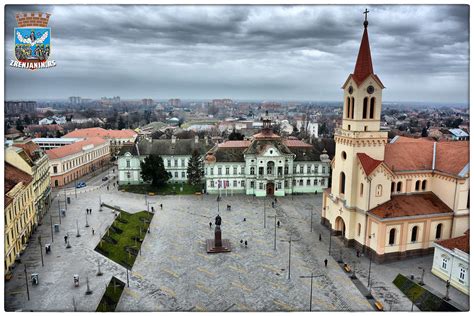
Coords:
105,178
81,185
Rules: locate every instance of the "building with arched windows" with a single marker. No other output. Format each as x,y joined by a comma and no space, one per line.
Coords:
267,164
391,199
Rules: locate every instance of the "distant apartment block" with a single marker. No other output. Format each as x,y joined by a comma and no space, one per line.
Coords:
70,162
14,108
75,100
222,102
147,102
174,102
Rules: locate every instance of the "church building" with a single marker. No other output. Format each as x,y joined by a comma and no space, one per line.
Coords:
391,199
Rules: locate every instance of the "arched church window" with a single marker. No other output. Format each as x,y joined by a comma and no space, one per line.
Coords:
361,190
423,185
391,237
364,109
372,107
348,107
342,183
417,185
414,234
352,107
439,229
359,228
399,186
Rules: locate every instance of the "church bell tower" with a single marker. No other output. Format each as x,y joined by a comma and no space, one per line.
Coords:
360,129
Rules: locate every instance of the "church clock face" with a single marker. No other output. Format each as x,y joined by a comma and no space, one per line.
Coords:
370,89
350,90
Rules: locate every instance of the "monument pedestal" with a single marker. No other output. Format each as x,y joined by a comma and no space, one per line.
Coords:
218,244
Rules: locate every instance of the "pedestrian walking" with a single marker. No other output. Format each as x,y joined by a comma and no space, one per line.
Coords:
358,253
92,231
65,239
245,244
245,219
278,224
319,236
161,206
241,242
114,184
275,200
210,225
273,204
152,209
325,263
107,188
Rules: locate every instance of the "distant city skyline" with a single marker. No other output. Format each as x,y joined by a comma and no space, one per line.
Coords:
277,52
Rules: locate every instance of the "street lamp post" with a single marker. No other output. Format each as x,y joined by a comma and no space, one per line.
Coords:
370,259
68,244
264,215
311,211
330,239
422,275
448,284
77,227
65,199
51,220
75,187
59,211
289,255
87,222
311,287
27,288
41,250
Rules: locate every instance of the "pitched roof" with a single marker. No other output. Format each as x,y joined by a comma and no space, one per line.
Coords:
461,243
30,148
167,147
410,154
295,143
100,132
411,205
13,176
363,67
74,148
368,163
235,144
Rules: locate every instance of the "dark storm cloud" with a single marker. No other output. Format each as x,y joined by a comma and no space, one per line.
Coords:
268,52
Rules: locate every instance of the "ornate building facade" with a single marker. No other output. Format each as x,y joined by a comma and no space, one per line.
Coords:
392,199
267,164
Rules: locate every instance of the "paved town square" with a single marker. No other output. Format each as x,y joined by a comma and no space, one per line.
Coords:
174,272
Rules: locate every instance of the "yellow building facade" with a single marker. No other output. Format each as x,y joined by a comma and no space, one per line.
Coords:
391,199
20,218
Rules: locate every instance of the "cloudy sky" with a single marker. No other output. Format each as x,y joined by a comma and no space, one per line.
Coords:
421,53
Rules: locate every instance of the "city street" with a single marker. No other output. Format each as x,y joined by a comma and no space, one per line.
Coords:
174,272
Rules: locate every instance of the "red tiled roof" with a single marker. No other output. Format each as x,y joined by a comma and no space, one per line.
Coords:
368,163
295,143
461,243
74,148
13,176
363,67
410,154
29,147
411,205
266,134
100,132
235,144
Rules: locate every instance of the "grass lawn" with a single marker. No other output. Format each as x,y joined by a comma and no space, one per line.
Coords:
111,297
122,241
169,188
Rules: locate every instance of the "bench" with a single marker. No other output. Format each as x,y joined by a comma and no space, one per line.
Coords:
151,193
378,305
197,193
347,267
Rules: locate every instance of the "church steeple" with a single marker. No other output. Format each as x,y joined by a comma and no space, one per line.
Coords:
363,67
363,91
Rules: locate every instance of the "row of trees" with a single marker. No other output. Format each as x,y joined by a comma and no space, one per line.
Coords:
153,169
